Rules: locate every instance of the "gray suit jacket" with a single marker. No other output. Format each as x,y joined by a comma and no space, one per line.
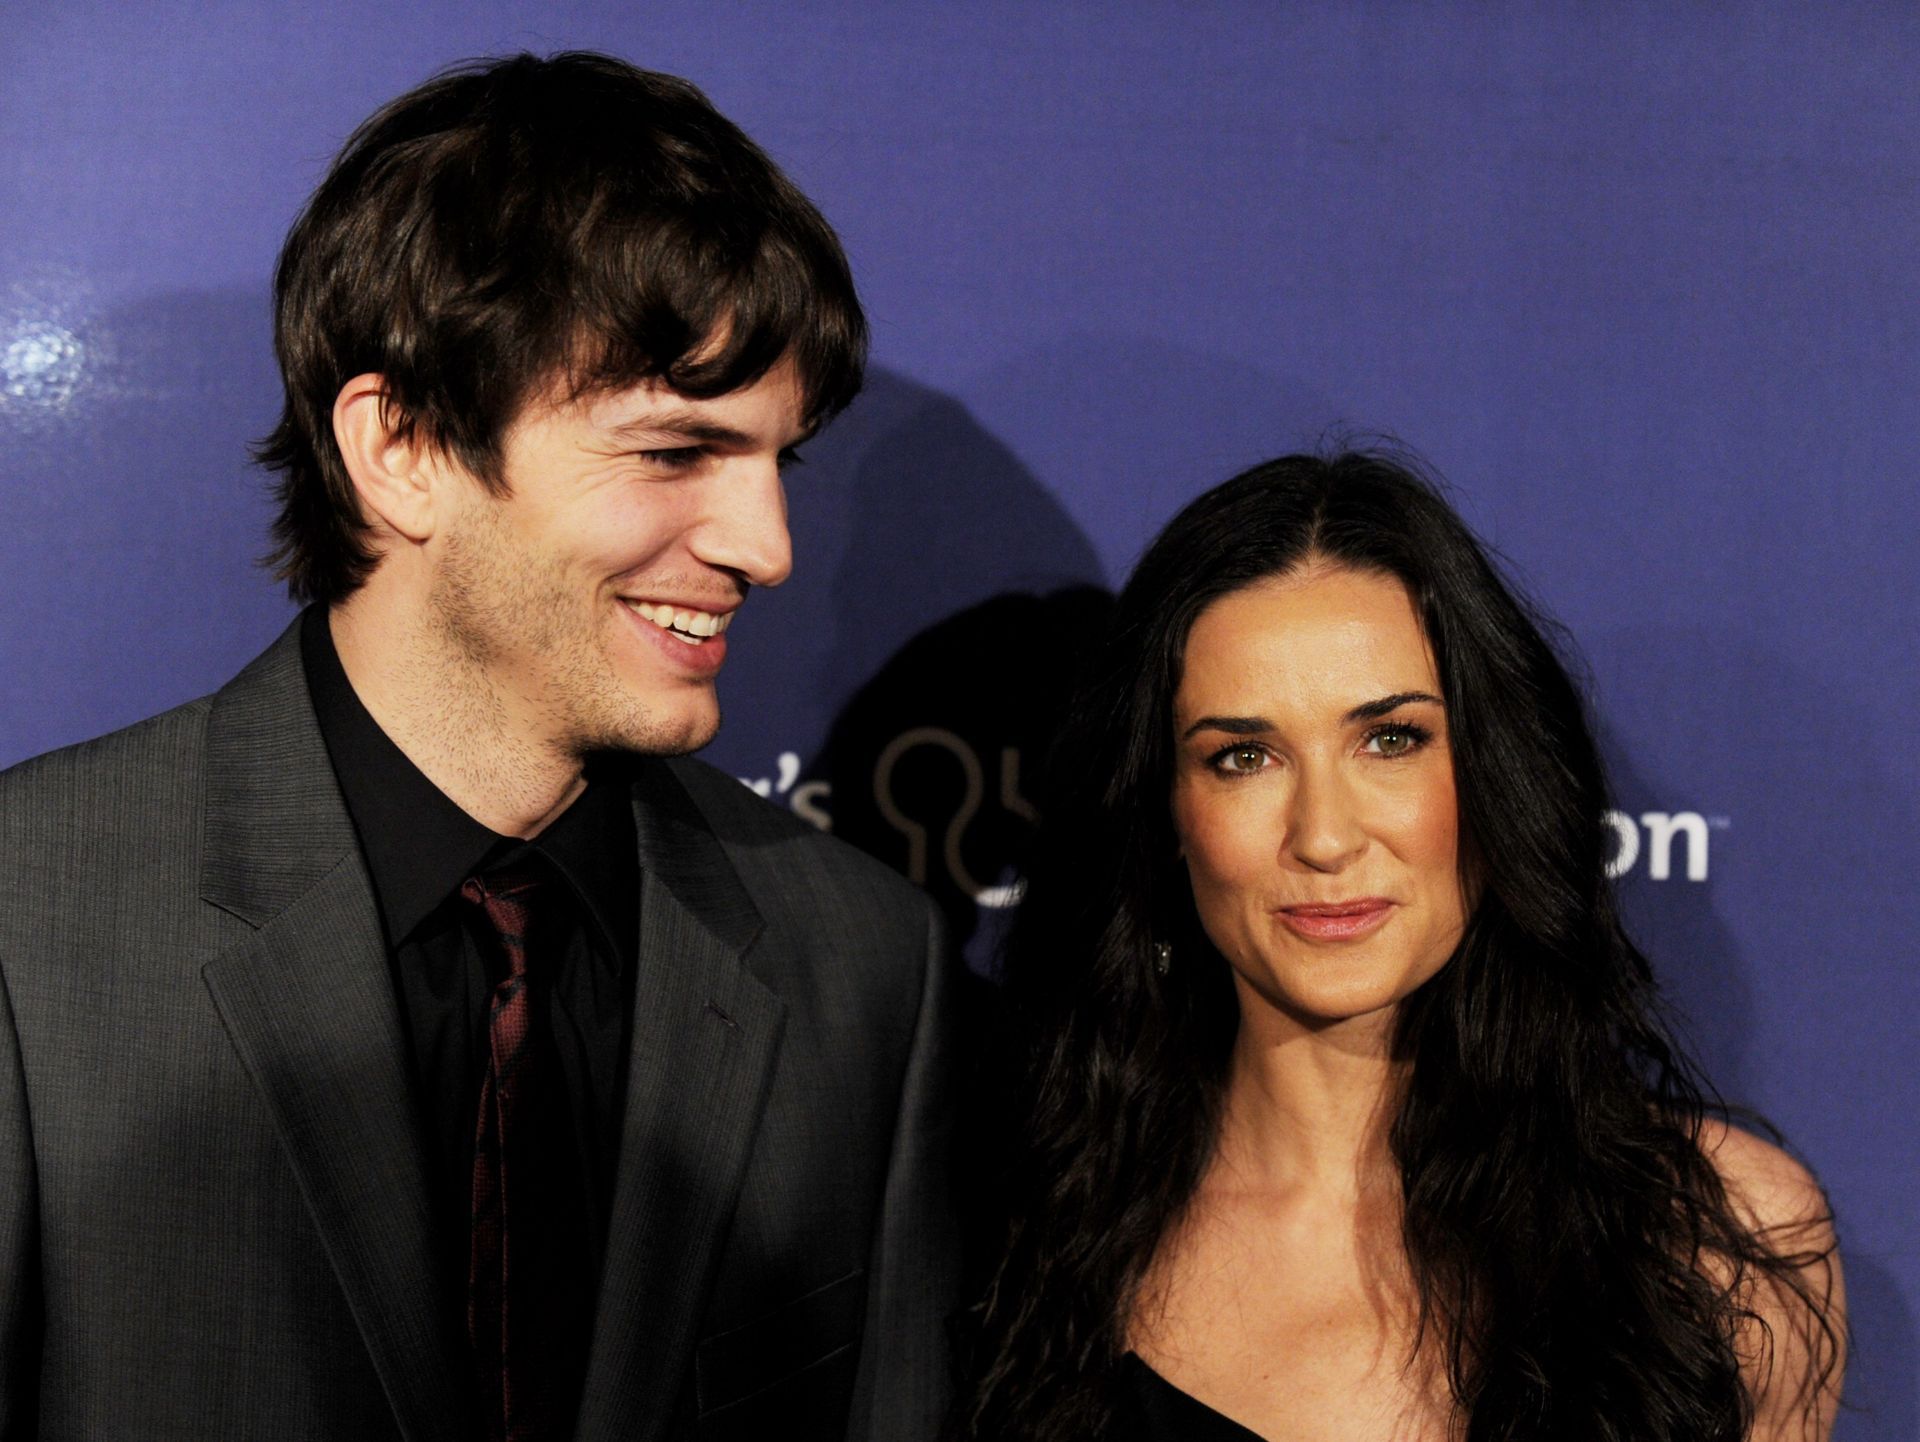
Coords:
213,1203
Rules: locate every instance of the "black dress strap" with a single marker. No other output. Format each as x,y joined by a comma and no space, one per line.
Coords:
1152,1409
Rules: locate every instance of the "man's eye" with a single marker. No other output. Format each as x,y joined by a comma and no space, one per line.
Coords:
674,458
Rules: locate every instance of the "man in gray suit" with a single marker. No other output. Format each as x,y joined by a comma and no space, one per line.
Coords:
399,1042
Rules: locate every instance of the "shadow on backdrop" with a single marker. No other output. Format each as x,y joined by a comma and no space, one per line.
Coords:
1880,1401
957,594
939,515
931,762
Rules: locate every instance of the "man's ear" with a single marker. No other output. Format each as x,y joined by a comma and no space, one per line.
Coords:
391,465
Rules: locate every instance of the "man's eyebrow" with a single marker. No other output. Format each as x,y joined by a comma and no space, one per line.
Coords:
1374,710
682,425
692,426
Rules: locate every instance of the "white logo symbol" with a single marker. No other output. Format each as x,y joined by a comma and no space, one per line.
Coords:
805,800
1661,828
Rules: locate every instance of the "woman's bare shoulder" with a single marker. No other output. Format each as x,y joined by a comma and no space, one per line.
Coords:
1794,1345
1770,1188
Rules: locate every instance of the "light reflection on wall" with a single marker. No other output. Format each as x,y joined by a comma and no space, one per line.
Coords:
41,363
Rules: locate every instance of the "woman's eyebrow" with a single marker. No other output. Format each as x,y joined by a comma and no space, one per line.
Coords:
1374,710
1255,725
1232,725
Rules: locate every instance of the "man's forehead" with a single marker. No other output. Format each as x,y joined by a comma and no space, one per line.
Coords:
766,411
770,404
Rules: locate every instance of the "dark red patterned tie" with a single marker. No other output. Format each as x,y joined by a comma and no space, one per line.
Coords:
502,1304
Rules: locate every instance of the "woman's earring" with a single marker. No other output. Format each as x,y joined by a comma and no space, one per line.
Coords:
1162,958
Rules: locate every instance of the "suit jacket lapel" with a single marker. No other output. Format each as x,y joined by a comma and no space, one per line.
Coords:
706,1032
309,1005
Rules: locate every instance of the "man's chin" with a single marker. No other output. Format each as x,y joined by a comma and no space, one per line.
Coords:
696,733
654,734
685,746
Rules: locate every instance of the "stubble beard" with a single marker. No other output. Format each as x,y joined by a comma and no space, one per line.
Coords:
492,602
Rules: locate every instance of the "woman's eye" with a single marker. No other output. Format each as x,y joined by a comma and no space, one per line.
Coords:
1240,759
1395,740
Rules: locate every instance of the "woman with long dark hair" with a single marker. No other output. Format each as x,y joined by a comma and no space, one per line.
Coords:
1343,1106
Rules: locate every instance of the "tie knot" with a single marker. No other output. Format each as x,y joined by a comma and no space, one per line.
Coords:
506,899
505,885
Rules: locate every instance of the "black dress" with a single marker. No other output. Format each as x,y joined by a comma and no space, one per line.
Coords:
1149,1408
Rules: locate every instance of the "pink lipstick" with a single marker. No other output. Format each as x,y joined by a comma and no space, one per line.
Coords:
1336,920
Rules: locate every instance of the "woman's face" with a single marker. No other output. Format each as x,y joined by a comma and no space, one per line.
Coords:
1313,794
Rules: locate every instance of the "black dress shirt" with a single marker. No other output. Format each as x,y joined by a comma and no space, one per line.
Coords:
419,847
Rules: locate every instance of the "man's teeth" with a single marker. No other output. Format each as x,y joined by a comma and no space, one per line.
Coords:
685,625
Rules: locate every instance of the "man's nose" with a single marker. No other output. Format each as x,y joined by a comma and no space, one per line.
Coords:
745,528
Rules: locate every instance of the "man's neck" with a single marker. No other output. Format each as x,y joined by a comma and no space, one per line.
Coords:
448,721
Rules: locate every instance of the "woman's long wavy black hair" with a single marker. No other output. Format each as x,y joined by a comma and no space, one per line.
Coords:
1573,1253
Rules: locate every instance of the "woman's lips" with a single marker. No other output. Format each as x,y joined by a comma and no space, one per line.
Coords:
1336,920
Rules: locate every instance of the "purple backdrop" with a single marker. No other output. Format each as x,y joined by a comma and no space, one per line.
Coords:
1638,279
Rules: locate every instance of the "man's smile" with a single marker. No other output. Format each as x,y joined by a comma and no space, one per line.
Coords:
682,622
